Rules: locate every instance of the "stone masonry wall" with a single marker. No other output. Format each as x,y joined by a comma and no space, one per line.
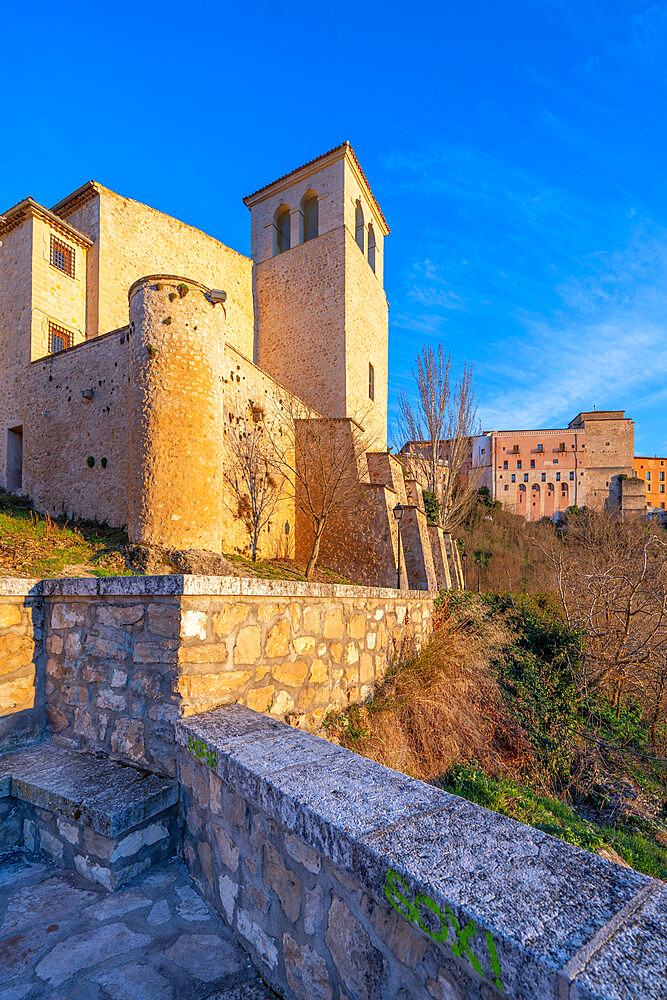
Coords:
126,657
344,879
135,240
57,474
21,679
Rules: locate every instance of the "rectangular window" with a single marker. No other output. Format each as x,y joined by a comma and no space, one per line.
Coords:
506,486
518,465
555,461
532,463
662,477
662,488
544,477
648,474
572,475
505,465
62,256
540,447
371,381
59,338
558,477
513,478
525,477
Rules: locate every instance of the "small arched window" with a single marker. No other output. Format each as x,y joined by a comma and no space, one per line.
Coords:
359,230
371,381
281,223
309,211
371,245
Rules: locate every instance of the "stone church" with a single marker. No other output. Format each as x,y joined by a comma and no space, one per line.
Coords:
127,338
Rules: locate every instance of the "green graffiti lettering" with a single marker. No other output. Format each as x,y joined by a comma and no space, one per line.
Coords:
495,964
431,905
396,898
398,894
461,947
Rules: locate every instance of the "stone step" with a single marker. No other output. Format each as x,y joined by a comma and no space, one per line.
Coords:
105,819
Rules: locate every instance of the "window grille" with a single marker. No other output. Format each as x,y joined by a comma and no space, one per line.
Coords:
62,256
59,338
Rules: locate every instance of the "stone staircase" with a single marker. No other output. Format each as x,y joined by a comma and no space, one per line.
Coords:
104,819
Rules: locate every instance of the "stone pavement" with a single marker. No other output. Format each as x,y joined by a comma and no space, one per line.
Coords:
63,938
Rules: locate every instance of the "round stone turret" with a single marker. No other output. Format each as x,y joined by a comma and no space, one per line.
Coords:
176,414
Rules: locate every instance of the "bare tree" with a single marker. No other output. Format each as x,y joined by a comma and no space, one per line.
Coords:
611,578
436,433
323,459
255,482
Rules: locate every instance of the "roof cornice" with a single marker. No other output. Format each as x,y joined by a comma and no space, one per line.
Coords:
337,153
76,198
29,208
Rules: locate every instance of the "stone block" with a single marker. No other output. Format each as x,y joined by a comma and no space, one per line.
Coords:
319,672
119,617
311,618
285,883
212,686
193,625
264,945
292,674
631,962
360,965
127,739
16,651
66,615
306,971
228,617
278,639
260,699
332,627
16,695
299,850
212,652
304,645
357,626
10,614
282,703
247,647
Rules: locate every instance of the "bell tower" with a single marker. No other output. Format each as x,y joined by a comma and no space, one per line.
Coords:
322,314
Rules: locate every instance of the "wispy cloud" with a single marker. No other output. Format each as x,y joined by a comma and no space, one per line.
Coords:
559,301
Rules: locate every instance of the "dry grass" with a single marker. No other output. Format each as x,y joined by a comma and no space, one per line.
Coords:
442,708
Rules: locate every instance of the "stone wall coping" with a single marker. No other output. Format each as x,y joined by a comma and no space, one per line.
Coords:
196,586
15,586
537,917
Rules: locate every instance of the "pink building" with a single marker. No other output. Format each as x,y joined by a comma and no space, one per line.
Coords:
540,473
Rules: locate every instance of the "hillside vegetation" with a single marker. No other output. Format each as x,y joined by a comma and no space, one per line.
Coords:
493,710
37,546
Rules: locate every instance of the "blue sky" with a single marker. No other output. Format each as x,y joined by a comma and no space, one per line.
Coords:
517,149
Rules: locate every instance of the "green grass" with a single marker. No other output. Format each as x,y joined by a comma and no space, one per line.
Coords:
33,545
283,569
639,850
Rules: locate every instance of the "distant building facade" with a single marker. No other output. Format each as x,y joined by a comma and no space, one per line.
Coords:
653,473
540,473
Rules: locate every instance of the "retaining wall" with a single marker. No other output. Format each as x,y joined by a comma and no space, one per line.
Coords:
21,663
344,879
125,657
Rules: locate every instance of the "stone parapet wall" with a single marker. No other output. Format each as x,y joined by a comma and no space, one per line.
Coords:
344,879
21,680
125,657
